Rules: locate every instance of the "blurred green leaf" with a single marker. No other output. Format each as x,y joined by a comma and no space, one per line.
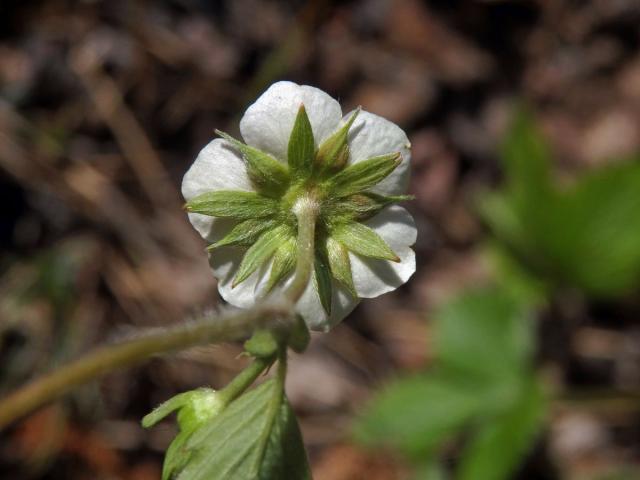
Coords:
620,472
586,235
416,414
513,277
483,376
431,470
484,334
527,158
495,450
255,437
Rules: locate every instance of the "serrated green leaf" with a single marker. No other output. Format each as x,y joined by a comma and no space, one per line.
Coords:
256,437
362,206
245,233
260,252
233,204
284,261
363,175
322,282
500,443
333,154
301,148
340,265
268,175
486,324
363,240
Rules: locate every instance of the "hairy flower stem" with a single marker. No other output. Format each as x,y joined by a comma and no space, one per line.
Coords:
224,328
306,211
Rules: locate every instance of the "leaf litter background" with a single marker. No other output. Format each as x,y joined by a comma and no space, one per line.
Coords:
103,106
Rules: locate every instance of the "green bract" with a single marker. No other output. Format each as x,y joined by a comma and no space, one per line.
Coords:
323,175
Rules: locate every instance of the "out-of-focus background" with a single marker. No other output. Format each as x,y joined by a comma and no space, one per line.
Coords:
105,104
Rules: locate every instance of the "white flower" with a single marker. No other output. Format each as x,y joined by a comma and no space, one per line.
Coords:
351,200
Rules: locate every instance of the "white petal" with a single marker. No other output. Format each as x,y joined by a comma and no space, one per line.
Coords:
217,167
309,306
373,277
371,136
267,124
225,262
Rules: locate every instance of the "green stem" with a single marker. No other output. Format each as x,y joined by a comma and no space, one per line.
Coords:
306,211
244,379
217,329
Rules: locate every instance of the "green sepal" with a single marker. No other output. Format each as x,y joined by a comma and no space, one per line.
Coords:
233,204
333,154
340,265
363,240
268,175
299,337
363,175
322,282
260,252
301,148
362,206
262,344
245,233
284,261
